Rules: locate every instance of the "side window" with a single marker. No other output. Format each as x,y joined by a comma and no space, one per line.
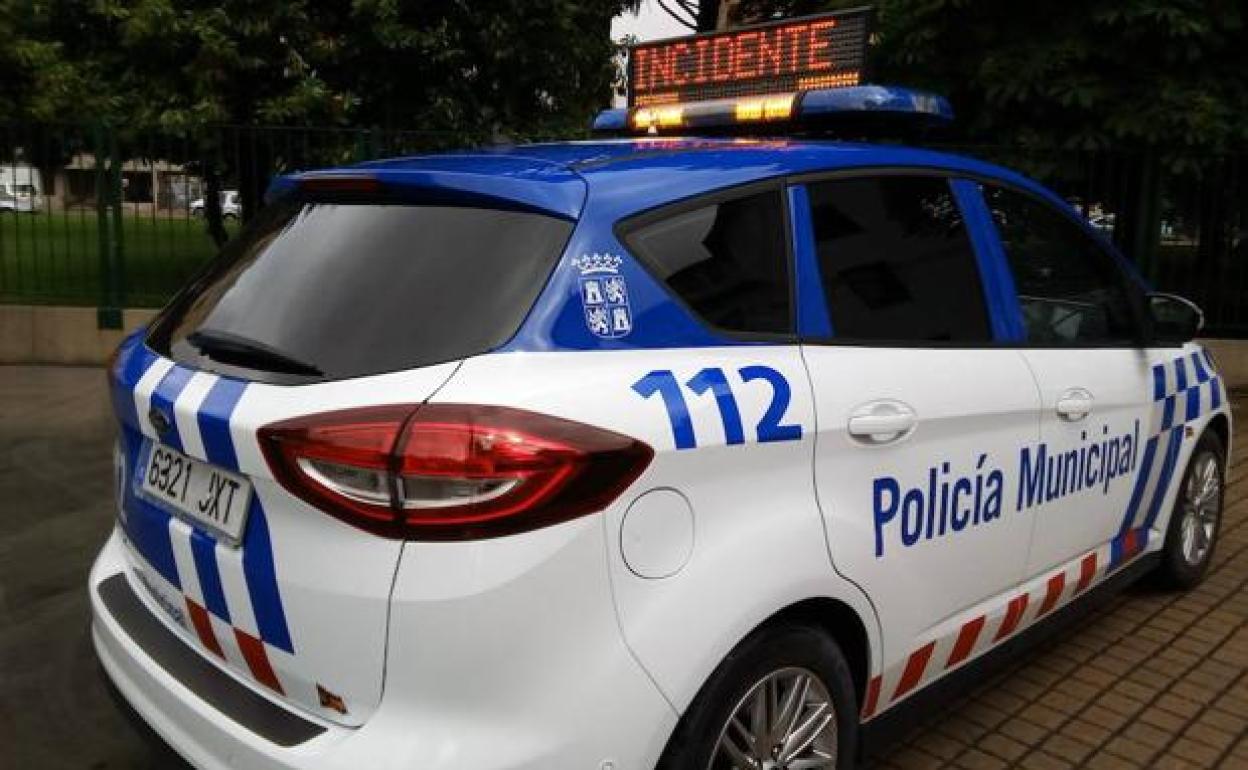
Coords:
1070,290
896,261
727,261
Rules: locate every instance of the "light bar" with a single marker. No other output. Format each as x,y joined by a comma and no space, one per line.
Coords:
803,109
716,112
877,100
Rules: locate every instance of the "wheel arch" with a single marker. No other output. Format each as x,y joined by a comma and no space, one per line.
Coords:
1220,426
834,617
842,623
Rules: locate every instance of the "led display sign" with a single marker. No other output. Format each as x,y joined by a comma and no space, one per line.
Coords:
825,51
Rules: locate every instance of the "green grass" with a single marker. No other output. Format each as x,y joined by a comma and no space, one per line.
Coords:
54,258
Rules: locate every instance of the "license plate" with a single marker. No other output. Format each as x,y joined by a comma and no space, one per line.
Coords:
208,496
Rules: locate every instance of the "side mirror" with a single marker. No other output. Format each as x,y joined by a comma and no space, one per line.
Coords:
1175,320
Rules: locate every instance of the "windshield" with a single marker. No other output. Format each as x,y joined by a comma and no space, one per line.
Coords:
320,291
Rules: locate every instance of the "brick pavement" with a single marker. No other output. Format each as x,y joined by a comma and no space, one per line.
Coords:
1151,679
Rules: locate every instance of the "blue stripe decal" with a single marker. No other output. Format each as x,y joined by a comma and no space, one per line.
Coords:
165,396
1159,382
813,320
203,548
1180,375
1167,472
1167,413
258,569
1215,391
1202,375
131,364
147,525
262,580
214,421
1193,402
1118,551
1141,480
1115,551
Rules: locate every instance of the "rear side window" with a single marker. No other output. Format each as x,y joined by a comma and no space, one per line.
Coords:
322,290
727,261
896,262
1069,289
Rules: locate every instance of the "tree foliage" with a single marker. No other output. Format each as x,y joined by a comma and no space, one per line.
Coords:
1089,74
471,69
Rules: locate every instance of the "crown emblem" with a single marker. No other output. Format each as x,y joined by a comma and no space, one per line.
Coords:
597,263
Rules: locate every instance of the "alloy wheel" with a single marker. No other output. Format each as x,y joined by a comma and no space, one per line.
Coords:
1202,505
786,721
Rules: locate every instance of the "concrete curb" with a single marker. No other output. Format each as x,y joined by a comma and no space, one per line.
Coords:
33,334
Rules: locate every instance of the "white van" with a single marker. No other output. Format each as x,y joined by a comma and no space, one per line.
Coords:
21,189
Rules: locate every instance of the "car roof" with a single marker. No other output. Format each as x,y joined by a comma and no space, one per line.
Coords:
624,176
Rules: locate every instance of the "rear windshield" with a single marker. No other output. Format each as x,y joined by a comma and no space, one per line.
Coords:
315,291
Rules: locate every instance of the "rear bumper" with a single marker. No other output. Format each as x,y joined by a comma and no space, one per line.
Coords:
193,727
570,696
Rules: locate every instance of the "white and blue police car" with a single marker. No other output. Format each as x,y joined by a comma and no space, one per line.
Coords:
652,452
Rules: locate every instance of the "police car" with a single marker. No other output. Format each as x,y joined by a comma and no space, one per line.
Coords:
646,452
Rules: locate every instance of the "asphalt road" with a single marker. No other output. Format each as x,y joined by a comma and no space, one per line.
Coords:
55,511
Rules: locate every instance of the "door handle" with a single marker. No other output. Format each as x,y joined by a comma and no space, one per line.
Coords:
882,422
1075,404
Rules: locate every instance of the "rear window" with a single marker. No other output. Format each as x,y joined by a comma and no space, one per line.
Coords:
321,290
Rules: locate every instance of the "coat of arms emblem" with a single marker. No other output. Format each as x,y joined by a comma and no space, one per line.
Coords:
604,295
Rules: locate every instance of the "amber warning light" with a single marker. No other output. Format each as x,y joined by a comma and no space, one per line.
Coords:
815,52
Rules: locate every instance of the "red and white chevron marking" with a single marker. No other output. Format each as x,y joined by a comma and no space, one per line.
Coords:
237,645
971,634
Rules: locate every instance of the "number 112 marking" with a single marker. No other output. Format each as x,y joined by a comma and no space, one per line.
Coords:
770,427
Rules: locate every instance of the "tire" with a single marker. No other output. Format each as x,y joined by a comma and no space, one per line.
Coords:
786,659
1192,536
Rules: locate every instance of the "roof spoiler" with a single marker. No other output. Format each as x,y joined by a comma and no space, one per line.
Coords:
515,184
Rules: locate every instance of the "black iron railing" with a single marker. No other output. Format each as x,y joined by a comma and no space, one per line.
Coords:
117,216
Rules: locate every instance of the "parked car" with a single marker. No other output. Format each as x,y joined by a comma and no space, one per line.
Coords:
231,205
1105,223
589,433
21,189
681,452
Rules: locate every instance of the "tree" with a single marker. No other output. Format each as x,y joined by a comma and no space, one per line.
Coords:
1163,80
477,69
463,72
42,75
1091,74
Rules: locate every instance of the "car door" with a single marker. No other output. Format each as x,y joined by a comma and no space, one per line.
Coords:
920,413
1082,334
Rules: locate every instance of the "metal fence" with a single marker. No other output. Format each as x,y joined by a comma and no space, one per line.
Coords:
115,217
119,217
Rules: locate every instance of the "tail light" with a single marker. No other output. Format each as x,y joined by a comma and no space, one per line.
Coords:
451,471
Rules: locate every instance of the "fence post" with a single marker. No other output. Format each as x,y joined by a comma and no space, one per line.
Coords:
118,288
365,148
108,225
1146,224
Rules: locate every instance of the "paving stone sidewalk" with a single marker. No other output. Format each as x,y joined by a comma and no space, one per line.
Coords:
1152,679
